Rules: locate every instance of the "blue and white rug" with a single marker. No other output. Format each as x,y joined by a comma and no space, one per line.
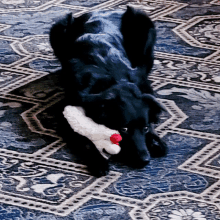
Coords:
41,180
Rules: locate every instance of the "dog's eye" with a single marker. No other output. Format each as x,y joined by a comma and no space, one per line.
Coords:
124,129
146,130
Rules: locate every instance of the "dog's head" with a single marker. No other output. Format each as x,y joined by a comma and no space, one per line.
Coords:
124,108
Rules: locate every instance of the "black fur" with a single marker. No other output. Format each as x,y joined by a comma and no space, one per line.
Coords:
106,58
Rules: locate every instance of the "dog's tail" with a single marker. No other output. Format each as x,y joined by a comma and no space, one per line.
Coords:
59,37
139,36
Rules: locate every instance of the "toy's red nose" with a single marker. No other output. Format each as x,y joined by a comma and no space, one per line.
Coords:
115,138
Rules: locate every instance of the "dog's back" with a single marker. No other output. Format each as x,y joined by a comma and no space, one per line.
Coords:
71,33
132,31
107,43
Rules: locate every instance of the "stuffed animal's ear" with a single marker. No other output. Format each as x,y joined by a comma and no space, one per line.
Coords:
155,108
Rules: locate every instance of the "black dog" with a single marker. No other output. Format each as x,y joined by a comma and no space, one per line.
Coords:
106,58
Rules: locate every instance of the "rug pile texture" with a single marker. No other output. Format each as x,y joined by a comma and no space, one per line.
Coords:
41,180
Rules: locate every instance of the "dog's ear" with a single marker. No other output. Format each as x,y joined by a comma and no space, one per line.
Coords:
155,108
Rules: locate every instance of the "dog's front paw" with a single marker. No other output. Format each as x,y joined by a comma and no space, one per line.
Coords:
99,168
158,149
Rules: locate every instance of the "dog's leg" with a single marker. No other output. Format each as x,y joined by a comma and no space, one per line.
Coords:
143,83
79,146
83,148
59,37
97,164
139,37
155,145
63,35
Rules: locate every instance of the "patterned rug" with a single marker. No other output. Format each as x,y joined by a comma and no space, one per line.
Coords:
41,180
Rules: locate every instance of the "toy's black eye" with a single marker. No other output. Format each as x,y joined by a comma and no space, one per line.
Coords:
146,130
124,129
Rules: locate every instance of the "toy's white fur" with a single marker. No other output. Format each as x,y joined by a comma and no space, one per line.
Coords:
98,134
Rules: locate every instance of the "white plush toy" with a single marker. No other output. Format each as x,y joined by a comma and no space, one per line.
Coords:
100,135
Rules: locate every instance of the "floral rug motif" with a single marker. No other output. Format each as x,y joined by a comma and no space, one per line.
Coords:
41,180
